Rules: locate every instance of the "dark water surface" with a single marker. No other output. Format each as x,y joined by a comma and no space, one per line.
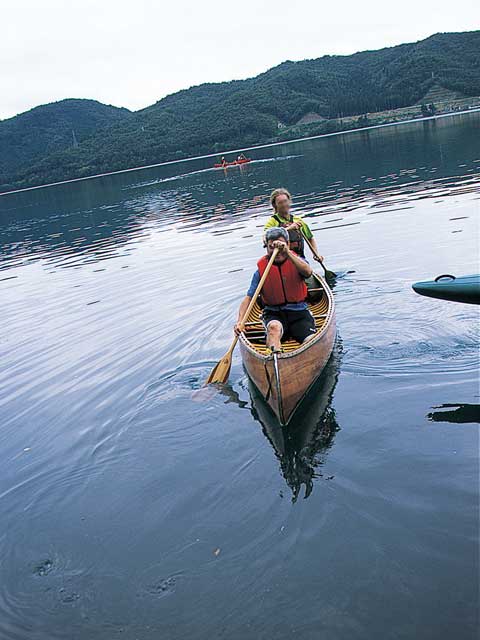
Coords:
133,504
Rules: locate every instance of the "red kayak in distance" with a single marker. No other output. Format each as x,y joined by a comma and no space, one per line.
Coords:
231,164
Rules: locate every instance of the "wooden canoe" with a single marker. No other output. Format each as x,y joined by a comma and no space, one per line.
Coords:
284,379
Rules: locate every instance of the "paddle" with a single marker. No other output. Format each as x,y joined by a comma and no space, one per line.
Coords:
328,274
221,370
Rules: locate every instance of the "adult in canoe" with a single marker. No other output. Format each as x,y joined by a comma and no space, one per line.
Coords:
297,228
284,293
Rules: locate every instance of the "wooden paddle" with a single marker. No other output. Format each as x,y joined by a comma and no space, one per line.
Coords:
328,274
221,370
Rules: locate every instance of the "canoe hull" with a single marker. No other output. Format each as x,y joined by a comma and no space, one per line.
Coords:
235,163
309,434
464,289
304,425
284,380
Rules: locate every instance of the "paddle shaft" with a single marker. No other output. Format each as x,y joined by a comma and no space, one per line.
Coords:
221,370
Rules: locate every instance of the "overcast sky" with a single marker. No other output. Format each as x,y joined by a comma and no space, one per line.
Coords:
133,53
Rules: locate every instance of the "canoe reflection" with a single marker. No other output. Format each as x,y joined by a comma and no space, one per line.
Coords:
302,445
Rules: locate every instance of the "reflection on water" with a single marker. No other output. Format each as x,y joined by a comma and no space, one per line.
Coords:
133,503
301,446
87,222
458,413
72,238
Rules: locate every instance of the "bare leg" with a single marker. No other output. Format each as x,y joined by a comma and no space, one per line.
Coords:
274,334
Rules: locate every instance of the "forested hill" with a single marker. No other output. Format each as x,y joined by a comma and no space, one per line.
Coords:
213,117
52,127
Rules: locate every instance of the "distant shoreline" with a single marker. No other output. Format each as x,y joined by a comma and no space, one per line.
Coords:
229,151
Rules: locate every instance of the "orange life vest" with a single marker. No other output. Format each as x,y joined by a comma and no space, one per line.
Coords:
283,285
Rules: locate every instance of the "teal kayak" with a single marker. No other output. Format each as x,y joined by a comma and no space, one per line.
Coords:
447,287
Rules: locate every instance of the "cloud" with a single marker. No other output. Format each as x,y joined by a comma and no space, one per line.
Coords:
133,53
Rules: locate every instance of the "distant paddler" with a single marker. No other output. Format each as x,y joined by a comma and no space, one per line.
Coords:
283,295
298,229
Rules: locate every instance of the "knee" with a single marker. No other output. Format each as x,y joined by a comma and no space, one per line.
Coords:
274,328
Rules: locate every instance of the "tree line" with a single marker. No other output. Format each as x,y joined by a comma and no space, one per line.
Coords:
211,118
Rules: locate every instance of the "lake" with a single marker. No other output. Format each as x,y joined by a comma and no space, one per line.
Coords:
136,504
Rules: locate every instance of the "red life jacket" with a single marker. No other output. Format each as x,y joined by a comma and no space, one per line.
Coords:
283,285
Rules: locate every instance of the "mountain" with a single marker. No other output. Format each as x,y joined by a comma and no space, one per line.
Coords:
51,128
213,117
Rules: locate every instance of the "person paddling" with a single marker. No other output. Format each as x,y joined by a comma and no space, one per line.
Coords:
281,201
284,293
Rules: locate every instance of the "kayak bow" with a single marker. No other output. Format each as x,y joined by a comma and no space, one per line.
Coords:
447,287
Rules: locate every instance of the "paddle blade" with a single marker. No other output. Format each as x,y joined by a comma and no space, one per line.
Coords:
221,370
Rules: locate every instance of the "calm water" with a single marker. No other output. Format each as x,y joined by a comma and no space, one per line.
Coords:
133,504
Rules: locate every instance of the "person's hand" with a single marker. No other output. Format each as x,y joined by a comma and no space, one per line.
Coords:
237,328
294,226
280,245
318,258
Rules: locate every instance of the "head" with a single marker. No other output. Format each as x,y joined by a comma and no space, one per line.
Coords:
281,200
273,234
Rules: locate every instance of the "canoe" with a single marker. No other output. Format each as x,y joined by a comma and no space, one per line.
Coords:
284,379
231,164
447,287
